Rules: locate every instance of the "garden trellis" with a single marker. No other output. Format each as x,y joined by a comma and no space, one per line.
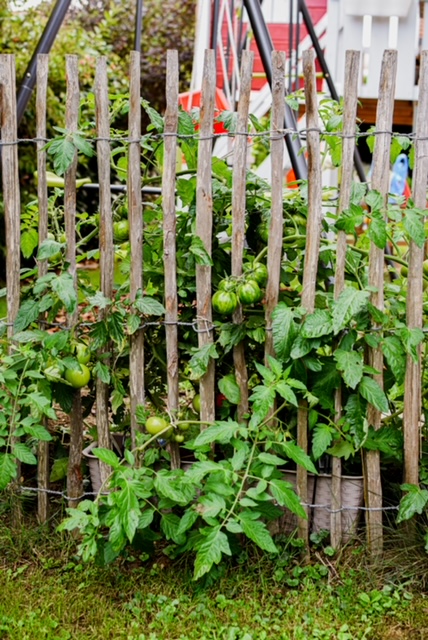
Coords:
334,317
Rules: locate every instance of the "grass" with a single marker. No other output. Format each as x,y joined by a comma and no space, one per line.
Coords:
46,593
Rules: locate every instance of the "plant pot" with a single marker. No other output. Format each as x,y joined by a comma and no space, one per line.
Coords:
94,463
319,493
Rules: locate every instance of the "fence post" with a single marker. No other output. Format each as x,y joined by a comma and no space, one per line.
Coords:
274,253
310,267
105,244
12,208
414,307
42,199
136,355
352,64
169,250
74,475
380,183
204,222
238,217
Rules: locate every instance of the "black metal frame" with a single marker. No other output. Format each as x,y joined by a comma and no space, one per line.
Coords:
265,47
45,43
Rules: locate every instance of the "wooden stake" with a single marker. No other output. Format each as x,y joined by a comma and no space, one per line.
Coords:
274,254
238,217
42,199
352,64
12,213
74,475
379,182
106,246
413,379
310,268
169,252
204,222
135,213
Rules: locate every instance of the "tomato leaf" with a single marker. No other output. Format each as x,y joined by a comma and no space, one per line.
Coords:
371,391
23,453
284,331
107,456
149,306
413,502
27,313
284,494
230,388
395,356
221,432
317,324
350,364
29,242
197,248
8,469
63,286
198,363
350,302
210,551
257,532
297,454
321,439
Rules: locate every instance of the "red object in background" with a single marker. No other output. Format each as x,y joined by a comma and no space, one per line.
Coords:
191,99
407,191
220,398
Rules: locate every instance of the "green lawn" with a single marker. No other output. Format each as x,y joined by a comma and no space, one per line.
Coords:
46,593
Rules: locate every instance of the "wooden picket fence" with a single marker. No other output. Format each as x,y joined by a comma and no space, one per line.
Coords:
204,224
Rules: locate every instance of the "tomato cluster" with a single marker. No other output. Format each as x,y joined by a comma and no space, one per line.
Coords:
245,290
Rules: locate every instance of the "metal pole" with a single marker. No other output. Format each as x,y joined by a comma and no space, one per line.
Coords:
215,25
138,26
326,73
265,47
44,46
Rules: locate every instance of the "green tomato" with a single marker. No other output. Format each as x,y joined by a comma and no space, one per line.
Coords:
183,426
425,267
155,425
227,284
257,271
224,302
249,292
196,403
121,230
76,378
263,231
178,437
83,354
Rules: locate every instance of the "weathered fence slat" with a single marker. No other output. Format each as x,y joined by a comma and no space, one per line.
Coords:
238,217
11,191
379,182
12,208
105,244
169,250
274,252
310,267
204,221
74,474
413,378
42,199
352,64
136,355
